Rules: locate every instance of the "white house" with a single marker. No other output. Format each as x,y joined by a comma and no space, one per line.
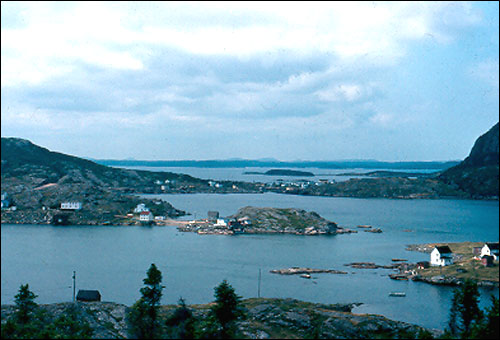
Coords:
71,205
490,249
221,223
146,216
441,256
140,208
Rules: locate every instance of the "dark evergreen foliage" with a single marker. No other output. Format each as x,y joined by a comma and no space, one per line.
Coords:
31,322
182,324
143,317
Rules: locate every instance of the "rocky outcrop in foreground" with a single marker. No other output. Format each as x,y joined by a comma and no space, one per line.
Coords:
266,318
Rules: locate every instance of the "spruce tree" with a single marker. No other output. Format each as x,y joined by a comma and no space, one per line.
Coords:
227,310
25,303
143,317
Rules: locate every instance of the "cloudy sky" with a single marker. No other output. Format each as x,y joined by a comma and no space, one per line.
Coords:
312,81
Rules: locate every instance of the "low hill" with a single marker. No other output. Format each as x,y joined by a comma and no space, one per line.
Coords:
477,175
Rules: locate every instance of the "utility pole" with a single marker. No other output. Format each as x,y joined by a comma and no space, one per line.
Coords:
74,278
258,292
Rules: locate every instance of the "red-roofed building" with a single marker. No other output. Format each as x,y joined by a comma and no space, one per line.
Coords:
146,216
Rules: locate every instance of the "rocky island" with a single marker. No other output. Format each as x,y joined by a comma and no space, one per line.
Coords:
255,220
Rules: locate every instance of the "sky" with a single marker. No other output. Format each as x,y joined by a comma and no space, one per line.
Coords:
392,81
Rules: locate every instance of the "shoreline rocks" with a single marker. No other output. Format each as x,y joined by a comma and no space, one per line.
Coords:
303,270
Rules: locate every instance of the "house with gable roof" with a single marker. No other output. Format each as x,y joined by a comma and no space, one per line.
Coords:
490,249
441,256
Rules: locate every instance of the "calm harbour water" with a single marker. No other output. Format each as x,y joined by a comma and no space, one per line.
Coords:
114,260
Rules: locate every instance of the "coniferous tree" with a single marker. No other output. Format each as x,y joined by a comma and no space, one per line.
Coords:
226,311
465,313
181,325
489,327
143,317
25,303
32,322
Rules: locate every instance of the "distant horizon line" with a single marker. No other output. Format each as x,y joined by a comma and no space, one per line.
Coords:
269,160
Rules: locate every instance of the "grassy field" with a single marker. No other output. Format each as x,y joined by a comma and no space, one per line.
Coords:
465,265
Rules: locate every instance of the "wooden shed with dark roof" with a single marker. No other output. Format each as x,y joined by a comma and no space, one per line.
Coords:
88,295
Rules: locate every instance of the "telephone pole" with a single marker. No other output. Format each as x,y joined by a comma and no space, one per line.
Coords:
74,278
258,292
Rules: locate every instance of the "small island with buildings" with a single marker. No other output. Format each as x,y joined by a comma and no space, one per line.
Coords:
255,220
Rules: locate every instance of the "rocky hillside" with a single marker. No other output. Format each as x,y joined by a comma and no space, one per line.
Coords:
288,220
37,181
266,318
36,166
477,175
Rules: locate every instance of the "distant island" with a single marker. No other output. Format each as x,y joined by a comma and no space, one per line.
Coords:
251,163
281,172
385,173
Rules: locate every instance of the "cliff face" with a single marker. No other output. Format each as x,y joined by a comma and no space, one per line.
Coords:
485,150
477,175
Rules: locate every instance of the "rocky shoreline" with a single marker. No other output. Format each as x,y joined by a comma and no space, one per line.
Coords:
267,318
303,270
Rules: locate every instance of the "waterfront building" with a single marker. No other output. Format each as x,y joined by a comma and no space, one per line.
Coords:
221,223
441,256
213,216
146,216
490,249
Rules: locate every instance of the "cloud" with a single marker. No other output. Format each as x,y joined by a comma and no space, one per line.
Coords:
293,69
123,35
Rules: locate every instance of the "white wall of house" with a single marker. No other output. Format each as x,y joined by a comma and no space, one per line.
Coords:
221,222
146,217
71,205
438,259
485,250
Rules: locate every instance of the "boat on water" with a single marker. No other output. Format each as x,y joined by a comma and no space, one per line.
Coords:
306,276
397,294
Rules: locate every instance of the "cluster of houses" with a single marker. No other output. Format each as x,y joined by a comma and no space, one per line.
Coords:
231,224
443,256
145,215
299,183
